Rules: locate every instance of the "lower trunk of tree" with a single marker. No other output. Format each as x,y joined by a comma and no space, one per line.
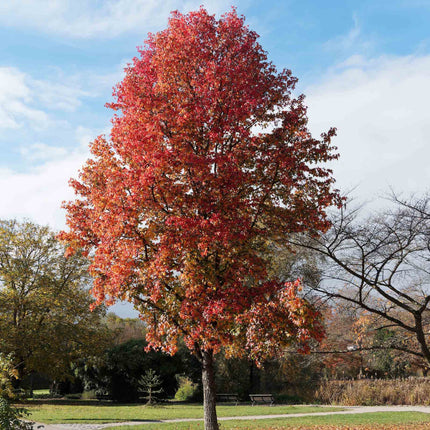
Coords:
209,393
254,379
419,332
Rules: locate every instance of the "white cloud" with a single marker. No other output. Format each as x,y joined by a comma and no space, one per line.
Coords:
380,108
38,193
33,105
25,100
84,19
15,100
58,96
42,151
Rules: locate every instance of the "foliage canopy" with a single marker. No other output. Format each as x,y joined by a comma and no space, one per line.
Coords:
178,205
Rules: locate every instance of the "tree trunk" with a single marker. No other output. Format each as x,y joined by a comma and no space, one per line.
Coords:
421,337
209,394
251,378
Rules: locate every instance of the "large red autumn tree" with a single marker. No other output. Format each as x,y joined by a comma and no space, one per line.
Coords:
209,163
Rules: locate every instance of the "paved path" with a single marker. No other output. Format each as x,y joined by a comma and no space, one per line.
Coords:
348,410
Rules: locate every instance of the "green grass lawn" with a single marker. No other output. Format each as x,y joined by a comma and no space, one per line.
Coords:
74,412
42,392
381,420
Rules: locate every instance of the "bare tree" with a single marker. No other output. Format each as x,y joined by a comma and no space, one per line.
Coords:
381,264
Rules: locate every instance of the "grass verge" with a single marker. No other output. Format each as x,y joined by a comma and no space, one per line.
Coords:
105,413
366,421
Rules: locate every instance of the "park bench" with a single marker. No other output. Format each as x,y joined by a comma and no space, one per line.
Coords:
231,398
262,398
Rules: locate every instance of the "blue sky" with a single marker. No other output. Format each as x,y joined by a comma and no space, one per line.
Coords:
363,65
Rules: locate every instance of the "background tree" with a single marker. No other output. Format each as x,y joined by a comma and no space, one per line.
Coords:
209,158
379,265
150,386
122,330
375,342
45,321
291,378
116,373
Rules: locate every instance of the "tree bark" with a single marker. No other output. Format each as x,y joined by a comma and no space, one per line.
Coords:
421,337
209,394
